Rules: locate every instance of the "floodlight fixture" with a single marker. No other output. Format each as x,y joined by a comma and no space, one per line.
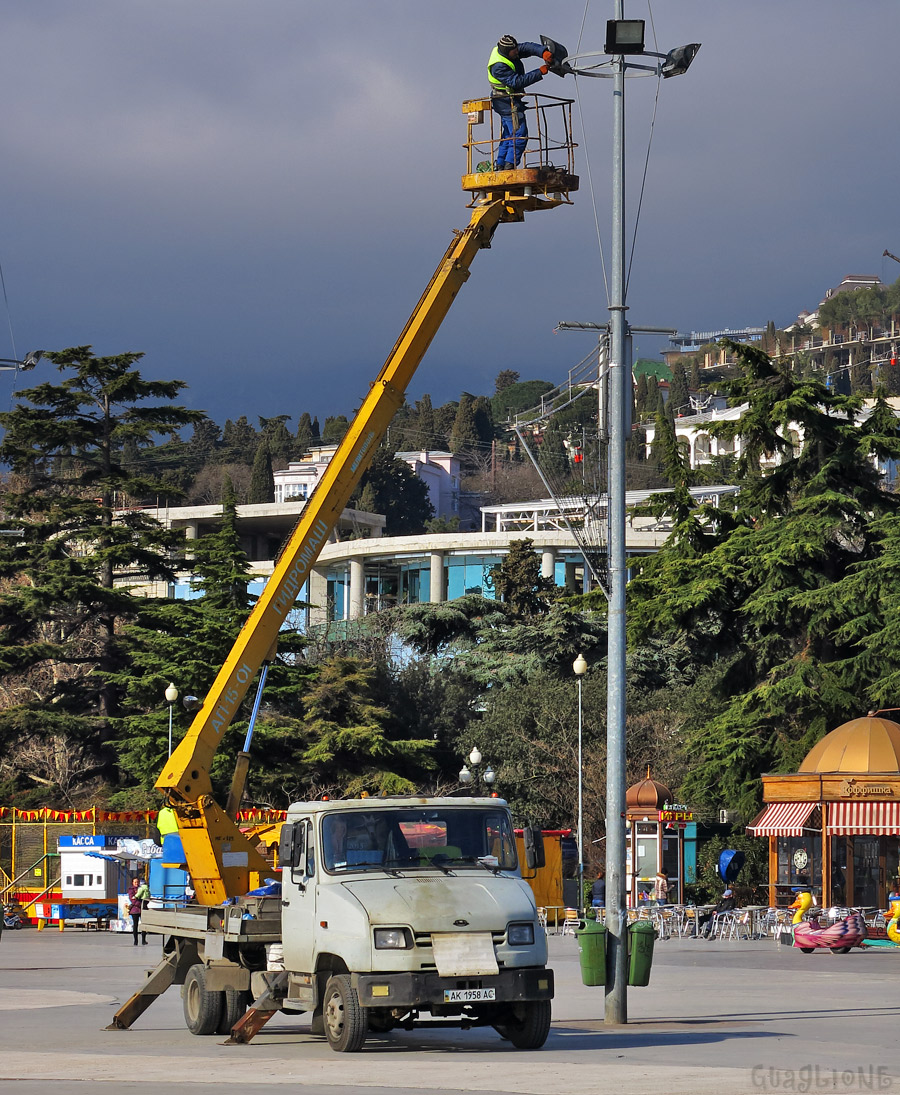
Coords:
678,60
624,36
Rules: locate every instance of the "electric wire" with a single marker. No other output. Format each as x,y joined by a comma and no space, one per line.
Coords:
587,161
12,337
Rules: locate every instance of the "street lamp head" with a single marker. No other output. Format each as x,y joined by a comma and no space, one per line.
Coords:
678,60
475,756
192,703
624,36
465,776
490,775
171,693
579,666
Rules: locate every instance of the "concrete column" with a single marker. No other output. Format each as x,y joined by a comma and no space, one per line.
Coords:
318,597
571,584
436,588
548,564
357,589
191,530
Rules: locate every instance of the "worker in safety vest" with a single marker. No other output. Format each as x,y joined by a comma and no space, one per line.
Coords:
508,79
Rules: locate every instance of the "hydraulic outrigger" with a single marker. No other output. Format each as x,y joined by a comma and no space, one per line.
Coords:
221,860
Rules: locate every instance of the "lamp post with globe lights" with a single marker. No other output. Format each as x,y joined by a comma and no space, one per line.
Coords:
474,774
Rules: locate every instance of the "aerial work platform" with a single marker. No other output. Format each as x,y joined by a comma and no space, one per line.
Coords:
545,177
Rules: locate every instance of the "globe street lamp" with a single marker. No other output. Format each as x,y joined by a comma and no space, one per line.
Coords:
171,697
579,666
467,775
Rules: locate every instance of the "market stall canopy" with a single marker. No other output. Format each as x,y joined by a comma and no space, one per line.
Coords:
870,744
782,819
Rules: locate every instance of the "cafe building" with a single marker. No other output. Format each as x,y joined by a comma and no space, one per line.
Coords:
659,835
834,825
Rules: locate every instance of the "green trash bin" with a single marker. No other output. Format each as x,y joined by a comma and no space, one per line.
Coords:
591,936
641,935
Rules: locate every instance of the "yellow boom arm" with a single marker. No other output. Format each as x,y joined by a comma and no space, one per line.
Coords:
221,861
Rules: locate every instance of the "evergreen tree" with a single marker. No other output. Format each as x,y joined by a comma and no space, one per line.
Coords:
278,439
316,436
351,747
679,400
484,422
464,439
60,606
640,395
425,428
187,641
304,436
518,582
335,428
761,592
201,448
505,379
239,441
391,487
262,480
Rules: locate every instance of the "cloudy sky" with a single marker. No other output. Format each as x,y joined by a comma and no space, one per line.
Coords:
255,194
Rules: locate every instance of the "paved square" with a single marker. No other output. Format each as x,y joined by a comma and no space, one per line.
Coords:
729,1018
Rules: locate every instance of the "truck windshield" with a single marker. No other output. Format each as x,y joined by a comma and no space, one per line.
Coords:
414,837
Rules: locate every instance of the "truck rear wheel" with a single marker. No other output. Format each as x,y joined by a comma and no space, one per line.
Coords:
346,1023
235,1004
202,1008
527,1025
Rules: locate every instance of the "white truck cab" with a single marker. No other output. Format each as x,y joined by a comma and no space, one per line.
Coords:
395,906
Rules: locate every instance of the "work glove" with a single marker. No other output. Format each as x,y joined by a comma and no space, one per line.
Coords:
544,70
547,55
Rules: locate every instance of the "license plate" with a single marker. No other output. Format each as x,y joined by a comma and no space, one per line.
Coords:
468,996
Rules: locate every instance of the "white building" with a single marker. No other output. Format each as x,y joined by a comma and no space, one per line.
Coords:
439,471
693,437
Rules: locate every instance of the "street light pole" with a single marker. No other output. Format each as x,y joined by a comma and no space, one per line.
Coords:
624,37
579,667
171,697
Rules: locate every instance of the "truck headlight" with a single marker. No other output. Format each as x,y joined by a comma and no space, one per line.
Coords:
520,935
392,939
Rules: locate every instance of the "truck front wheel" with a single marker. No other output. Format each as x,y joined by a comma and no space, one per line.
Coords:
527,1025
202,1008
345,1021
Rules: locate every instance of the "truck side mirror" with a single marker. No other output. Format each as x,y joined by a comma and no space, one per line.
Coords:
534,847
291,849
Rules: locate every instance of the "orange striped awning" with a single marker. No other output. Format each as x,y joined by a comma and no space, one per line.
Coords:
847,818
782,819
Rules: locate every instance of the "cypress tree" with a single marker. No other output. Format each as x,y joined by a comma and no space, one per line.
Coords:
262,480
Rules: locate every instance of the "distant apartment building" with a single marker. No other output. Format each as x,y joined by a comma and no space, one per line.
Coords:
439,471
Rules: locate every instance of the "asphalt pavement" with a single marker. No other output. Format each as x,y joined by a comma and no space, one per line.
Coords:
723,1017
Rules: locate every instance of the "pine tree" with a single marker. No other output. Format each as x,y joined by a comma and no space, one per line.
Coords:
391,487
186,642
518,582
239,441
278,439
61,607
335,428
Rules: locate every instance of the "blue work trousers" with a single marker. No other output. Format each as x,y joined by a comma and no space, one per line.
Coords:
513,135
